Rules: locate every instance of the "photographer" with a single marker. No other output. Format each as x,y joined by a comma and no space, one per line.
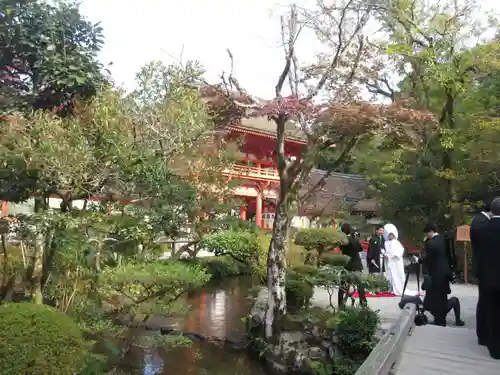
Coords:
437,286
453,303
352,250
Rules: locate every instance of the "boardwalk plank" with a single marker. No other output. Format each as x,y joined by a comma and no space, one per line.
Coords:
432,350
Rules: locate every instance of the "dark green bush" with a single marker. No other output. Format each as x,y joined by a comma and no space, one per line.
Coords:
38,340
298,293
356,327
303,271
242,246
334,260
223,266
320,239
299,286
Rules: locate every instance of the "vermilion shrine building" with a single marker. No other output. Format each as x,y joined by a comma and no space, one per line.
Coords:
257,168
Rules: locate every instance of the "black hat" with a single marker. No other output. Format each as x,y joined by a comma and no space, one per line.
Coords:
431,227
346,228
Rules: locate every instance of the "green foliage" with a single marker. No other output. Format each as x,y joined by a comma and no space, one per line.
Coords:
38,340
238,225
346,365
317,241
223,266
299,286
320,239
334,260
148,288
298,293
48,55
356,327
242,246
456,164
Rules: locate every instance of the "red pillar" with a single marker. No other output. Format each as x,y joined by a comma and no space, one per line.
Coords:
243,212
3,211
258,210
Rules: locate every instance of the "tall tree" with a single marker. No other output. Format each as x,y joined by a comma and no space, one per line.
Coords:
437,54
48,55
171,117
341,120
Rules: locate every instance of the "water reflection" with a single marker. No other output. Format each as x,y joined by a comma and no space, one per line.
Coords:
216,311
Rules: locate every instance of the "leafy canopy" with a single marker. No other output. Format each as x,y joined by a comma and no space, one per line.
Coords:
48,55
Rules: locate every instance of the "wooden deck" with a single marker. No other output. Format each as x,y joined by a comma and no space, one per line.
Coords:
431,350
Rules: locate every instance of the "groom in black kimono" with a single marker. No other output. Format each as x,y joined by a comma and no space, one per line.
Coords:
374,252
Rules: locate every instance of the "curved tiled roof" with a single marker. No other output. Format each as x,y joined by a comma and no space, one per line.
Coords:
339,189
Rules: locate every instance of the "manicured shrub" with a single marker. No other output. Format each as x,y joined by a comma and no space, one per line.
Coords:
334,260
242,246
38,340
318,241
224,266
299,286
298,293
356,328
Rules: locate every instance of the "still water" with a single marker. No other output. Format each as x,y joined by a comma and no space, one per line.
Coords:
215,311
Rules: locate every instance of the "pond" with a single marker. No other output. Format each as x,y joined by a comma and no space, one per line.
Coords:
215,311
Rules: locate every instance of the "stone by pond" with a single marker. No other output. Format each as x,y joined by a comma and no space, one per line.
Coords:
301,345
217,312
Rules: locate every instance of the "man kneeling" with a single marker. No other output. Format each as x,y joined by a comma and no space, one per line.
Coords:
453,304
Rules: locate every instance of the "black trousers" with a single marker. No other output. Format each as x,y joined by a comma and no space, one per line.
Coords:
491,308
436,302
481,326
361,291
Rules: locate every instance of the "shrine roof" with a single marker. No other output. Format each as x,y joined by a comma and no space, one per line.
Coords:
340,189
261,126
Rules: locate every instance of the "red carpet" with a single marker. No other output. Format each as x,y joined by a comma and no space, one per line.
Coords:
379,295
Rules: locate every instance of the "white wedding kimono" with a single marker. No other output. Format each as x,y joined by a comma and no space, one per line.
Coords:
394,261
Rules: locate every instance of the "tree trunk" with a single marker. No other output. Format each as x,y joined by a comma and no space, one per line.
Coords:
38,256
276,267
37,264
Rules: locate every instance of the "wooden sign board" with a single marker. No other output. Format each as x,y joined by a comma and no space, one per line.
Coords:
463,233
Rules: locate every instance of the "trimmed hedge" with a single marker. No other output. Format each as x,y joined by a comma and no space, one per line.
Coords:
38,340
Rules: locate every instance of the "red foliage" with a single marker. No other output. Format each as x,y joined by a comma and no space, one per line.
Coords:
334,119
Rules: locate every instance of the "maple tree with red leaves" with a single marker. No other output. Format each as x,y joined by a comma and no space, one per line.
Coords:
341,120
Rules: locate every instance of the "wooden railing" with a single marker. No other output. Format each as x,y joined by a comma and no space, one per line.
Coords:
242,171
386,353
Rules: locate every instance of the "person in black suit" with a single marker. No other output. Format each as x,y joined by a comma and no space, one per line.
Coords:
477,242
374,252
352,250
439,273
488,262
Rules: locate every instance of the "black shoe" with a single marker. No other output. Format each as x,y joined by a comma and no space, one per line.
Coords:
495,354
481,342
459,323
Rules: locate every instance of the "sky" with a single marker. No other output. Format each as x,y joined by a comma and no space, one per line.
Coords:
170,30
137,32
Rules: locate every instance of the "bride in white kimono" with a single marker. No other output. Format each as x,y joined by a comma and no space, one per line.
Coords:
394,261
